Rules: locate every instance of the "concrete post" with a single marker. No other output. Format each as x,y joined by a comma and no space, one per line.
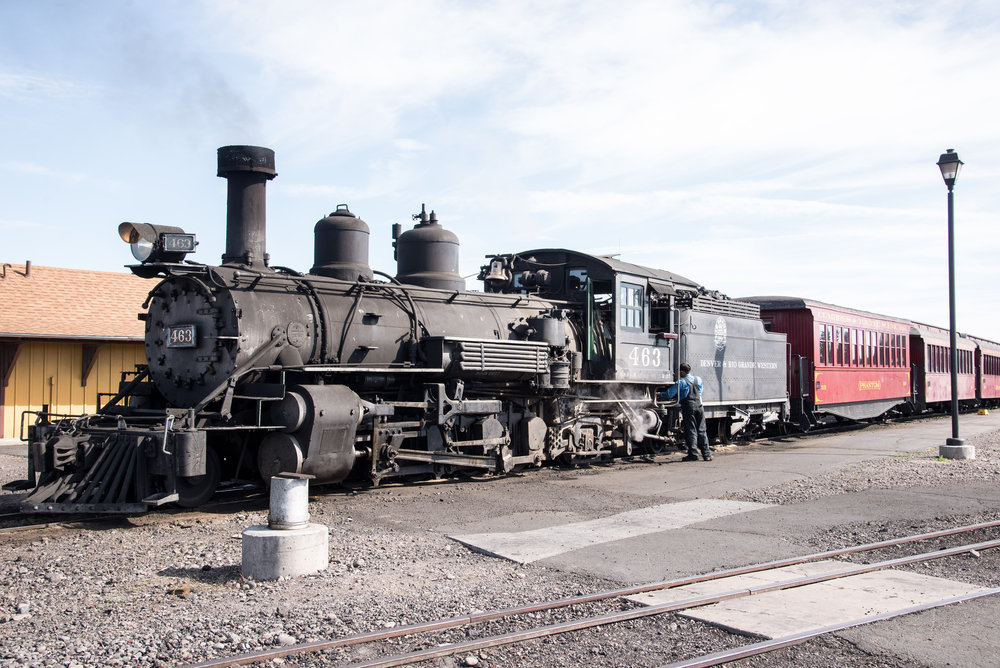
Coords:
289,545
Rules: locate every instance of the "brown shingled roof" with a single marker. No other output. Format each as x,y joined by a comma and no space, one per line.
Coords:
49,302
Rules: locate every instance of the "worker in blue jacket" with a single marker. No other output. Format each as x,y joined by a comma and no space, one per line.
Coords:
689,388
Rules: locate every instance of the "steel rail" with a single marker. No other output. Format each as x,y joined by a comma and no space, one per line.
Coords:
76,521
767,646
649,611
479,617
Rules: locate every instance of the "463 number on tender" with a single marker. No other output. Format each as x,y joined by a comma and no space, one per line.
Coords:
645,356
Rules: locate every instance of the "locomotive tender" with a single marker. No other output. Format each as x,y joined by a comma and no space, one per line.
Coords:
254,370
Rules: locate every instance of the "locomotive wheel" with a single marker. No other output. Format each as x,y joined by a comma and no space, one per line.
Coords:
199,489
567,460
804,423
442,470
655,446
722,427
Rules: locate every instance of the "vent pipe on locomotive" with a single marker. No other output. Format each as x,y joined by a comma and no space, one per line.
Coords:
247,169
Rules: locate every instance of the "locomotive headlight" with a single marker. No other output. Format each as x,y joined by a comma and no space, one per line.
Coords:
157,243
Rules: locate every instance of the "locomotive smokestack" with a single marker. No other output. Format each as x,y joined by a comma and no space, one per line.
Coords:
247,169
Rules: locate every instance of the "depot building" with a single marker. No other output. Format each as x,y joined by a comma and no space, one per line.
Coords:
66,337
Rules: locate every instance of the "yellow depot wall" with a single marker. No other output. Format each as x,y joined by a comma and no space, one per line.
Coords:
48,372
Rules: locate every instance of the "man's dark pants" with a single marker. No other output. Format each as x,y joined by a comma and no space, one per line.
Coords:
695,431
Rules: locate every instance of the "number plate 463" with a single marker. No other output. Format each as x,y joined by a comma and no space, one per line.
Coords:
182,336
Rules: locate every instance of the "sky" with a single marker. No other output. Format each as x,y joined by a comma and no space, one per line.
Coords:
758,148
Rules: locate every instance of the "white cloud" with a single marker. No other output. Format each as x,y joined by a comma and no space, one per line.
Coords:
12,226
35,169
781,146
296,190
405,145
21,85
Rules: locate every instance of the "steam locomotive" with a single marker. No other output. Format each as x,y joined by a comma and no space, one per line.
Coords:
347,372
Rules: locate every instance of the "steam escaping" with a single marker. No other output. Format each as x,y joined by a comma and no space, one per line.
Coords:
636,410
641,421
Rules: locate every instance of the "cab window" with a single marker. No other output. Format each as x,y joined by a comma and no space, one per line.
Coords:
630,306
577,280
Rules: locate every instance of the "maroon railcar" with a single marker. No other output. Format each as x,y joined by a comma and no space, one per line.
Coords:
930,351
842,361
987,371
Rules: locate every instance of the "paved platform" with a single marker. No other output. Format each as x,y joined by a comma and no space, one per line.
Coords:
532,545
13,446
789,459
537,525
956,635
768,533
801,609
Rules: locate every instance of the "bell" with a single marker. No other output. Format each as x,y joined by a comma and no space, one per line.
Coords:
497,272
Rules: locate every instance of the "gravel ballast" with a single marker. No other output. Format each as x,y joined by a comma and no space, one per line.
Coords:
162,590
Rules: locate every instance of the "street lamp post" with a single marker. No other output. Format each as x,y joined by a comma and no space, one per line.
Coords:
954,447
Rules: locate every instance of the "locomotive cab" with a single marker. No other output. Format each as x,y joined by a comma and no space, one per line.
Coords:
626,311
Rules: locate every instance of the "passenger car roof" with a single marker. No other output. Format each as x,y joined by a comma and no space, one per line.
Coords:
774,302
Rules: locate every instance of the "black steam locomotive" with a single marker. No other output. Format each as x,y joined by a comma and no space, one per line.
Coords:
253,369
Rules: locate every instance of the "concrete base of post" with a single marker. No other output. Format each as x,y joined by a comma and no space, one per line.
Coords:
269,554
955,448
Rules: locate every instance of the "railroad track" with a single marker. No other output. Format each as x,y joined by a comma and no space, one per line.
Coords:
20,525
16,521
376,641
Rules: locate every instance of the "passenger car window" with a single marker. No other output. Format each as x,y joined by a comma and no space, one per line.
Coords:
822,344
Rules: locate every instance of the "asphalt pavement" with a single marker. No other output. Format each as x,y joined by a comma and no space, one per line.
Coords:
647,521
714,540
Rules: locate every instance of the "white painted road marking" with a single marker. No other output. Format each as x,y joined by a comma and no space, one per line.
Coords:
790,611
527,546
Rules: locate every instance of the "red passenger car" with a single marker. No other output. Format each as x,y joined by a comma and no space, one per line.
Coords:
930,350
987,371
842,362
